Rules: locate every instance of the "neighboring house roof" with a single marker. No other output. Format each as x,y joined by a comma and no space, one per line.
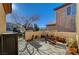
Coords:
62,6
53,24
7,7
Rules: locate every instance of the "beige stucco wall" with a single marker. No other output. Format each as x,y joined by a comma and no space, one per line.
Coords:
77,18
2,19
51,27
77,22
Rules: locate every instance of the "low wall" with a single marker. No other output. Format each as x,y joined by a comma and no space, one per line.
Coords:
29,34
65,34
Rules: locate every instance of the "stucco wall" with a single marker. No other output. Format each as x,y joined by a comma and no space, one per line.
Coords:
63,34
51,27
77,18
65,22
77,22
66,34
2,19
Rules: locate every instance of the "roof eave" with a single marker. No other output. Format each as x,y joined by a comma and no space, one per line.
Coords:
62,6
7,7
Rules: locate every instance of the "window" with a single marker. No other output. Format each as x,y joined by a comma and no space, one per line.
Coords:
69,11
73,9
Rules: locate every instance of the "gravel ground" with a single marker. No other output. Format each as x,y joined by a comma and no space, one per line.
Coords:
39,47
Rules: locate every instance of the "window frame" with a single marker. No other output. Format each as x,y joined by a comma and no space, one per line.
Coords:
69,10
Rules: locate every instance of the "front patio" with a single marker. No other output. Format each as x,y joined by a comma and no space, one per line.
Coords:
39,47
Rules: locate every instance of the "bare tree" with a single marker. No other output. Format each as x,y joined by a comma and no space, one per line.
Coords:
16,18
31,20
27,21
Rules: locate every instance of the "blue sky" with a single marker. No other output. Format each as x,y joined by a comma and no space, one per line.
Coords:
44,10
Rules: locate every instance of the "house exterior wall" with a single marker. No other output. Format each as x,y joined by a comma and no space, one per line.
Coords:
77,18
65,22
77,23
51,27
2,19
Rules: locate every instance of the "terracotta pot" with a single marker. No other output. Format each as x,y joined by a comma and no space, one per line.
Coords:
72,50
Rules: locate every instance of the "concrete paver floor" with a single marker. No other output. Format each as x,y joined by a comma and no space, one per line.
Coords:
39,47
